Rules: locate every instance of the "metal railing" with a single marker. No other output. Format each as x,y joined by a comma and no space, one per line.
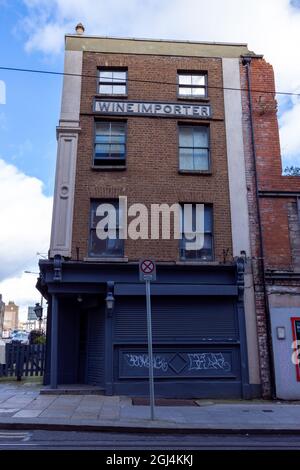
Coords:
23,360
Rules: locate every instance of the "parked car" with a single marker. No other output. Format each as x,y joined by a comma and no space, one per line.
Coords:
2,352
13,333
20,337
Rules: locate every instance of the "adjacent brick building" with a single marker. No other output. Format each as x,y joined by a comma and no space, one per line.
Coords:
274,232
166,122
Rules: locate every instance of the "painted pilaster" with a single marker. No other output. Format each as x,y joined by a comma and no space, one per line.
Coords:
67,136
54,343
109,352
238,200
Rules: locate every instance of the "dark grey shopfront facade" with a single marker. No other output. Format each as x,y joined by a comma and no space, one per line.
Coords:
199,337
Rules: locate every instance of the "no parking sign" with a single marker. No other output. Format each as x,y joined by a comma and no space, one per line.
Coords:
147,270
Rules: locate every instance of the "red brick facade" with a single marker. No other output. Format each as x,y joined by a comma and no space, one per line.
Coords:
279,222
152,174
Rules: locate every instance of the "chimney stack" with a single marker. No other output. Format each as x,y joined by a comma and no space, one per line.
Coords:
79,29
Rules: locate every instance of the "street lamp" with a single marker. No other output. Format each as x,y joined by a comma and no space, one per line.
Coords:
38,310
110,301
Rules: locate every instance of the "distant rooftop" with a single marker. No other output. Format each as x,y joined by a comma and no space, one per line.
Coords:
80,42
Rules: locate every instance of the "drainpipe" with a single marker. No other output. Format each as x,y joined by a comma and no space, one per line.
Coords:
247,63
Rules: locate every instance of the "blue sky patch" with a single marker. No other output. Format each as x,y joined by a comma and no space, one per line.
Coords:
295,3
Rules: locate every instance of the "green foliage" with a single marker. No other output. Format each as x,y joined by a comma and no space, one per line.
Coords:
40,340
291,171
37,337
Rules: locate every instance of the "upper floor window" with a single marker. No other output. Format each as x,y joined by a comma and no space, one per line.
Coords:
205,252
110,143
192,85
112,82
194,148
112,246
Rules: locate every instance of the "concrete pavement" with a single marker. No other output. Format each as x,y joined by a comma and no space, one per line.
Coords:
21,406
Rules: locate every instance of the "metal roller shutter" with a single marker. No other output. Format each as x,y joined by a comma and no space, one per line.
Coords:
196,346
96,341
187,319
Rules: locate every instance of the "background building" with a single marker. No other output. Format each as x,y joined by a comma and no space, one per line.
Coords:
31,316
156,126
11,316
2,309
31,323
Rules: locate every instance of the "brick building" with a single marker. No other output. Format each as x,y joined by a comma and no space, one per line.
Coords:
159,122
275,233
11,316
2,308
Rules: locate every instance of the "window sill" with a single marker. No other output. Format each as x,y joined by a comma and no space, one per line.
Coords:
195,172
197,262
108,167
192,98
106,260
101,95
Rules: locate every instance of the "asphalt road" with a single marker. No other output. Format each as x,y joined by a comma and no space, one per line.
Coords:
59,440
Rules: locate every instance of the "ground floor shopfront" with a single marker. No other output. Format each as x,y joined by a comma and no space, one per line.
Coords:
198,319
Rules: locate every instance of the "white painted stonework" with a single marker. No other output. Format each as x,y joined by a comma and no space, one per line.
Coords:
235,156
67,136
70,103
238,200
62,219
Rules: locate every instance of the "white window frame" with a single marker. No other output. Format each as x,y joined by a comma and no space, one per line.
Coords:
113,82
191,85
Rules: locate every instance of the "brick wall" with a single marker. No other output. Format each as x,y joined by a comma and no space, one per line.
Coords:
266,130
276,233
279,218
278,225
261,318
294,233
152,153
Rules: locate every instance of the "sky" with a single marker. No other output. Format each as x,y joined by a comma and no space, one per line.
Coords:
32,37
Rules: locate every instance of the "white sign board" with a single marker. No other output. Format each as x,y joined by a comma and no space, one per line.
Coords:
182,110
147,270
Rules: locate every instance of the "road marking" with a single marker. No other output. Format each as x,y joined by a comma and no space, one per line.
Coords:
14,444
15,435
9,410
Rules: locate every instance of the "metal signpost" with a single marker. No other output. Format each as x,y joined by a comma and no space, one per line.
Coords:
147,269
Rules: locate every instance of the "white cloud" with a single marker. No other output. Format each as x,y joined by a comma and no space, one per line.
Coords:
21,289
269,27
48,21
290,135
25,214
47,38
